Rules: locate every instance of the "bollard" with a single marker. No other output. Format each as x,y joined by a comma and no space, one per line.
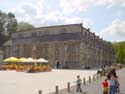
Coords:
89,79
100,75
84,81
97,77
93,77
40,92
68,87
57,90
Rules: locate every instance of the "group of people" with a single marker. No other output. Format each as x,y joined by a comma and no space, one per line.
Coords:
111,83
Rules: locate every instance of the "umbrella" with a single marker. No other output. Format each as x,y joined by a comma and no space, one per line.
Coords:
23,59
30,60
42,60
11,59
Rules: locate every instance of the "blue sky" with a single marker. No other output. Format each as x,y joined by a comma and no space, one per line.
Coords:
104,17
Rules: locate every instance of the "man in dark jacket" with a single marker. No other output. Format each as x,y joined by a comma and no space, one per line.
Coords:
112,71
58,65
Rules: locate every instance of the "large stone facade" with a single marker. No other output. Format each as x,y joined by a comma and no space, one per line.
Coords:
1,57
72,45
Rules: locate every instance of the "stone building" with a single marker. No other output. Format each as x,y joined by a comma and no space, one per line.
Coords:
1,57
72,45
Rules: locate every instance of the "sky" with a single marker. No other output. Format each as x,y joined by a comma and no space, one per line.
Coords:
104,17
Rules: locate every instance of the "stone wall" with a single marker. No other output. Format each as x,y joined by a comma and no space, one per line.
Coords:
1,57
66,52
72,45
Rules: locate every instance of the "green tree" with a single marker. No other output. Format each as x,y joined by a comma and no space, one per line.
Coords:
24,26
2,22
120,51
8,24
12,23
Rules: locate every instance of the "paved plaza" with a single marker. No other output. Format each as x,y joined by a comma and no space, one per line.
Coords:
95,87
12,82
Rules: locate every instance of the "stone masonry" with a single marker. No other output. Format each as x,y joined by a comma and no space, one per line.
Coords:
72,45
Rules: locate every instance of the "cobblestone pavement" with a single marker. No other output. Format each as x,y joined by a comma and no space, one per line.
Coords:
95,87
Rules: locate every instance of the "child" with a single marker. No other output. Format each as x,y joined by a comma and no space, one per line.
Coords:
78,82
105,86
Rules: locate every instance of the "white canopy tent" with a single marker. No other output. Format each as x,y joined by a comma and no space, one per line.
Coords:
28,60
42,60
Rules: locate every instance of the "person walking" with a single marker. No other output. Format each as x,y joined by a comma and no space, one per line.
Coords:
112,81
117,86
105,86
112,71
79,82
58,65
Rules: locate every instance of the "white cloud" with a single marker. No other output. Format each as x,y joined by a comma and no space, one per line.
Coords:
86,21
38,14
111,2
55,18
120,13
116,31
29,12
71,6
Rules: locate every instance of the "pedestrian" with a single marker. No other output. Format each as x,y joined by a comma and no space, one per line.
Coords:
112,71
117,86
79,82
105,85
106,68
58,65
112,81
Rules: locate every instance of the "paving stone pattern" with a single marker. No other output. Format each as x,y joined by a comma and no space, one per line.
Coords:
95,87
